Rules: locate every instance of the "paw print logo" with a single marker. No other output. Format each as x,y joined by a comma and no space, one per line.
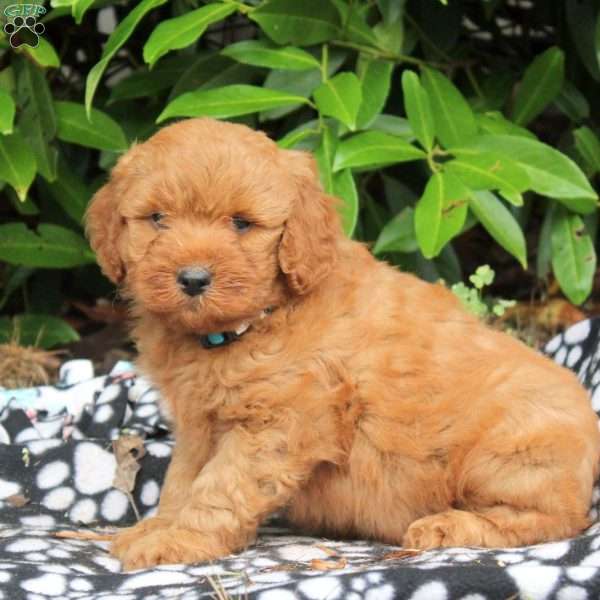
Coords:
24,31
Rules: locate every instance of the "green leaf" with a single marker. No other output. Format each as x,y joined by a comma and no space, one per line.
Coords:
324,156
453,117
488,171
393,125
354,27
494,122
42,331
340,97
263,54
418,109
100,131
588,146
344,187
582,20
7,112
51,247
572,102
37,121
117,38
373,149
543,258
398,235
375,77
294,137
149,83
573,255
79,8
500,223
300,83
70,192
440,212
17,163
183,31
15,278
541,84
300,23
44,54
211,70
552,173
228,101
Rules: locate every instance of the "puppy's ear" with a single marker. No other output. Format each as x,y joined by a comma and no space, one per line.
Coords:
308,249
104,225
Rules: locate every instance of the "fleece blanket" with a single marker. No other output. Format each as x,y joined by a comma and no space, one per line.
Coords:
59,470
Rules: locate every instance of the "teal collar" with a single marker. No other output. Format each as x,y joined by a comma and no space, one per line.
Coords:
224,338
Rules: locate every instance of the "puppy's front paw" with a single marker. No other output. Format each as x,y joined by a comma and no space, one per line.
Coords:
130,535
164,547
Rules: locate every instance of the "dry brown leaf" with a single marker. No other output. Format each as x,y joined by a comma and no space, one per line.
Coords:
128,449
18,500
553,315
400,554
328,565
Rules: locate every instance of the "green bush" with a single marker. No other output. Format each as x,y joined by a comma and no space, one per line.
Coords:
427,118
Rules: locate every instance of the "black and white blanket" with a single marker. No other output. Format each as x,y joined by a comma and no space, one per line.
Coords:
57,470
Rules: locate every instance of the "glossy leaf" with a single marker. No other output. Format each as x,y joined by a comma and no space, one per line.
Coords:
228,101
79,8
440,212
582,21
7,112
495,123
37,121
17,164
324,155
117,38
44,54
552,173
340,97
418,109
50,247
374,149
398,234
354,27
300,23
70,193
263,54
541,84
453,117
184,30
344,187
488,171
588,145
500,223
375,78
41,331
573,255
100,131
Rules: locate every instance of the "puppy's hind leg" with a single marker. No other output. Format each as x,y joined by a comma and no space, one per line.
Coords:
536,493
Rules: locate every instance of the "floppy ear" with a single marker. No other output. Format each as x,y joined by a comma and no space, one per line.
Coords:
104,225
308,251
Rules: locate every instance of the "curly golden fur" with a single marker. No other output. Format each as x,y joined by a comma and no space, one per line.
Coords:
369,403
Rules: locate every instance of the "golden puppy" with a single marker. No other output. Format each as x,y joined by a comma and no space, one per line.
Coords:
300,372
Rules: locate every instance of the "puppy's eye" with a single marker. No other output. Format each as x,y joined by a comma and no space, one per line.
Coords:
240,223
157,219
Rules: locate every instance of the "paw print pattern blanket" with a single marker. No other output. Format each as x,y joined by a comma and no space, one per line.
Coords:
57,470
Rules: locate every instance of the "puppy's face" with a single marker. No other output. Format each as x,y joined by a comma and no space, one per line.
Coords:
208,223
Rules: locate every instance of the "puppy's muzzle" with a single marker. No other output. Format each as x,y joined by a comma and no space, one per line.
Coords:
194,280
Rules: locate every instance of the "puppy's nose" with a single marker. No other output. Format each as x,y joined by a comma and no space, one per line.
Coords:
194,280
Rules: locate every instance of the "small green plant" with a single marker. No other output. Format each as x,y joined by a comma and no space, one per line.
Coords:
472,297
